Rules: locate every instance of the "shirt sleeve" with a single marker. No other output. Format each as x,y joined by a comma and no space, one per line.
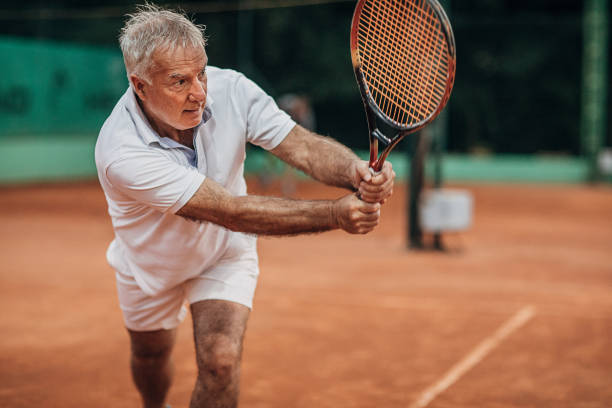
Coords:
154,180
267,125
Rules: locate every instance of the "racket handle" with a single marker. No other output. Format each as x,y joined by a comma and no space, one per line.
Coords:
374,173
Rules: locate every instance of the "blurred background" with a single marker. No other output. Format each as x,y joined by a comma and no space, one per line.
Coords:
529,104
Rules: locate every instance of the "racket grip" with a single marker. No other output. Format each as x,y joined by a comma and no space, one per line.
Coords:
374,173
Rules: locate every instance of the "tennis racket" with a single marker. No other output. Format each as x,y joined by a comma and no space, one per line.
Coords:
403,54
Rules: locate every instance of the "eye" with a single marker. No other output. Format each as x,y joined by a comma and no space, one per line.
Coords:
181,82
202,73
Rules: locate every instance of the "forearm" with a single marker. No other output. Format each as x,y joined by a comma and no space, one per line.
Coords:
279,216
266,215
332,163
322,158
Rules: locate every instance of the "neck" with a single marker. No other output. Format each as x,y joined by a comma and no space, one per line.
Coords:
184,137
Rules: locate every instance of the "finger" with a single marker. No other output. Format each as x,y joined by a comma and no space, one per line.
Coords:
365,228
363,169
378,181
387,167
373,198
362,204
377,196
370,198
368,208
366,214
364,200
369,224
383,191
368,187
382,176
372,217
387,189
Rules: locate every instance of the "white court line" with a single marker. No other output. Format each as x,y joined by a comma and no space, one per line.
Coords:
475,356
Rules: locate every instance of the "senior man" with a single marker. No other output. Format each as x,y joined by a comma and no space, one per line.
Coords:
170,160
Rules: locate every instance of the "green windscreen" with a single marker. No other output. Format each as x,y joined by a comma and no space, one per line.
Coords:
48,88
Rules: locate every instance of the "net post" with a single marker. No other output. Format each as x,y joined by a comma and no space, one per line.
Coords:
439,134
417,181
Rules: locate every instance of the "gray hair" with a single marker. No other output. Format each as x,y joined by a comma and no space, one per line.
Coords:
152,28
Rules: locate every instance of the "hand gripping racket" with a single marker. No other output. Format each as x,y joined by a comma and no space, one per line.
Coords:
403,54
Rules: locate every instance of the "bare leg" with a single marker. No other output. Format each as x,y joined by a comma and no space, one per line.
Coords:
152,366
218,328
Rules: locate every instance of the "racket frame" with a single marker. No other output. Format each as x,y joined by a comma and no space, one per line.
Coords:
372,109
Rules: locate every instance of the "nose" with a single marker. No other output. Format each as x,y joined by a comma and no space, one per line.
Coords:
198,91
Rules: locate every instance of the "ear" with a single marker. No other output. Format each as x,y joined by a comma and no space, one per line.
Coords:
139,86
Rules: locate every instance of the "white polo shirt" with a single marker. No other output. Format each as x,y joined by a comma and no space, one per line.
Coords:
147,179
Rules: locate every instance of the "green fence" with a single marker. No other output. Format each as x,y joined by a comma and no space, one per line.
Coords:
48,88
53,100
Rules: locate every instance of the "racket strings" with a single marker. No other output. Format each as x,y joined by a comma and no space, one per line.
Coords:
392,35
419,42
428,30
404,58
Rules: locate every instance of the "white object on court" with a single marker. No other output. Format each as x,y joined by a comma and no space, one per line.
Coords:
446,210
604,161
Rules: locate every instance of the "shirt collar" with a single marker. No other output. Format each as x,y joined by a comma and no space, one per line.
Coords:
148,134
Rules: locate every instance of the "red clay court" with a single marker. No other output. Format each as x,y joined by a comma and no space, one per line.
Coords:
519,314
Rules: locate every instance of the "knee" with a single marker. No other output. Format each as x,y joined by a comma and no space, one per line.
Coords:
218,360
151,352
148,356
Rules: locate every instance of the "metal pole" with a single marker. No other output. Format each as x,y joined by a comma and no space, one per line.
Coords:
594,82
440,133
439,144
417,181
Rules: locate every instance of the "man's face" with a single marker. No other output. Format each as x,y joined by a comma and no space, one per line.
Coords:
176,94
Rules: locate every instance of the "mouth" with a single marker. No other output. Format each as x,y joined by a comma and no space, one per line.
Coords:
196,110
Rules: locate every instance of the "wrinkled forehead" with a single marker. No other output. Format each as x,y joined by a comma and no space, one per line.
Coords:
175,58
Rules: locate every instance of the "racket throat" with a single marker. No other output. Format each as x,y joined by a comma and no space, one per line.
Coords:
376,162
378,135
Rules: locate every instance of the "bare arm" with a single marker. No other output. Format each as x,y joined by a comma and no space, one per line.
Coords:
279,216
322,158
332,163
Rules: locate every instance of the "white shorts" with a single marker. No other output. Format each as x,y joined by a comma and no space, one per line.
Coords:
233,278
